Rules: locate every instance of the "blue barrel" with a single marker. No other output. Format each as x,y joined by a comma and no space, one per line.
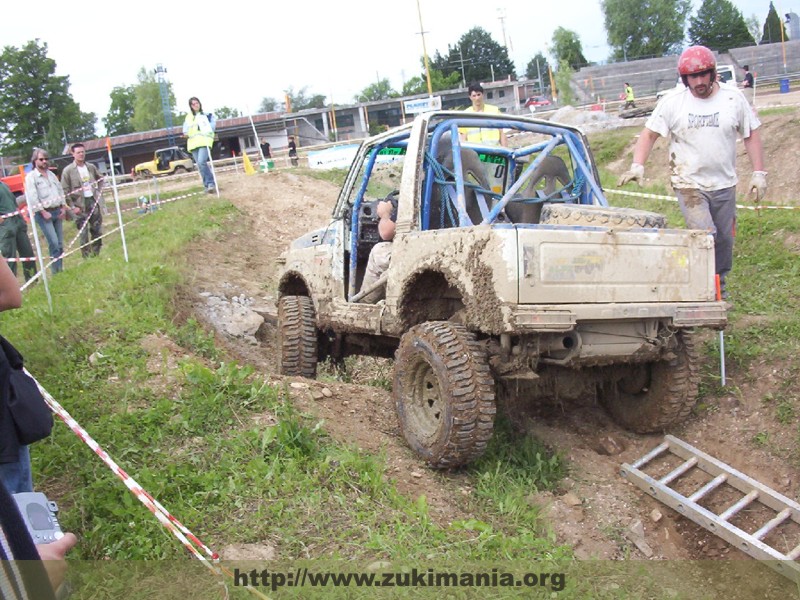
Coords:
785,86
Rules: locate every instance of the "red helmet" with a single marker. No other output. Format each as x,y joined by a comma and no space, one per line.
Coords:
696,59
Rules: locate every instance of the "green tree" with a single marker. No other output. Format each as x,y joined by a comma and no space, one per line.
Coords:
439,81
269,105
773,27
36,108
538,64
148,113
380,90
419,83
567,48
118,119
477,57
301,100
754,27
563,87
226,112
645,28
720,26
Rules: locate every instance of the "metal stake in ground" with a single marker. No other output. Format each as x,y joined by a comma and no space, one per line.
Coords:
42,269
116,199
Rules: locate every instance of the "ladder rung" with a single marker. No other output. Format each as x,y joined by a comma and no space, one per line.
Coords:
736,507
773,523
680,470
794,553
710,486
650,455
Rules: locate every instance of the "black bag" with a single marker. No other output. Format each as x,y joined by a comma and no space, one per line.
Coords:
32,418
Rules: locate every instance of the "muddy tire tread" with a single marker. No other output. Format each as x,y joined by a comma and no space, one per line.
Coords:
466,386
297,336
601,216
670,399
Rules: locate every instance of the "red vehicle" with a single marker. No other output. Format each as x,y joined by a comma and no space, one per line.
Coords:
537,101
14,183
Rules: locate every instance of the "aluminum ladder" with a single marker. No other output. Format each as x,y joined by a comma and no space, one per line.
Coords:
716,474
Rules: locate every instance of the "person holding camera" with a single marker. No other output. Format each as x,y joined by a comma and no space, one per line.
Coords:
38,569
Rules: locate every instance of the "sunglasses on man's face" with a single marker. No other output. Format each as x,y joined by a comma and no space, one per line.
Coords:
43,159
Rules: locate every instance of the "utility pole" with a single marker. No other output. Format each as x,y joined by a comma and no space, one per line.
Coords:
539,72
424,51
502,19
164,90
463,75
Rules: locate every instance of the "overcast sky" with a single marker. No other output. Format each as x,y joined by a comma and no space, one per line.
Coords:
252,50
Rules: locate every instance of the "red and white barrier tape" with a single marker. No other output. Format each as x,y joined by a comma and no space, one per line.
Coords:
190,541
186,537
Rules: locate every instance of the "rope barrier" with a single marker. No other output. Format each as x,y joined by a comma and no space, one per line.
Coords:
756,207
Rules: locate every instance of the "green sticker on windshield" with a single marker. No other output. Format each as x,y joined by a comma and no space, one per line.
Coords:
391,152
491,158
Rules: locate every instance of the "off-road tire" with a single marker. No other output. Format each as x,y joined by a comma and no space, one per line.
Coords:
601,216
179,171
444,393
143,173
649,397
297,336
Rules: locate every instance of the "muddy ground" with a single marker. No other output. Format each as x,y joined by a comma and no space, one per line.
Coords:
594,508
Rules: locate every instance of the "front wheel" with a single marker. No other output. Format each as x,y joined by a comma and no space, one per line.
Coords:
297,336
444,393
646,398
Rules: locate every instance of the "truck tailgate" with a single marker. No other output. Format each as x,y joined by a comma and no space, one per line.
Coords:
568,265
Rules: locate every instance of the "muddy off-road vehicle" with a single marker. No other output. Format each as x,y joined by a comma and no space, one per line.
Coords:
510,277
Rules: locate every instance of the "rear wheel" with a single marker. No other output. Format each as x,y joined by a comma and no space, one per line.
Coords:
444,393
179,170
648,397
297,336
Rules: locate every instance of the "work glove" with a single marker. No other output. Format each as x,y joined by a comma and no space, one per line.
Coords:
635,173
758,186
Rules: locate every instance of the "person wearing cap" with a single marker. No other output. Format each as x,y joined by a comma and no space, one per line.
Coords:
481,135
703,122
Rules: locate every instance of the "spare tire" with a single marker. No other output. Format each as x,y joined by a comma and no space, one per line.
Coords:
601,216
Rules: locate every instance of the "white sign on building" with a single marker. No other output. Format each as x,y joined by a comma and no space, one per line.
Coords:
423,104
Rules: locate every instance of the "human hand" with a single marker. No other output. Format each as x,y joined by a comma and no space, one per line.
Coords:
758,186
635,173
76,210
46,215
53,554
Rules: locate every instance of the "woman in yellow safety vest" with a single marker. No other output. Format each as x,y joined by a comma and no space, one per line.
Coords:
198,128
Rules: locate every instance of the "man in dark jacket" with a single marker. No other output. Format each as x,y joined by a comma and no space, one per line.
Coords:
14,234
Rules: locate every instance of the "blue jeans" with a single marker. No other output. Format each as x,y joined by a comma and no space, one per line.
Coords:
16,476
54,234
201,158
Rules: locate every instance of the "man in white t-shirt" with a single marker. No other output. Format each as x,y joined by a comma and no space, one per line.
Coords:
703,123
83,187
